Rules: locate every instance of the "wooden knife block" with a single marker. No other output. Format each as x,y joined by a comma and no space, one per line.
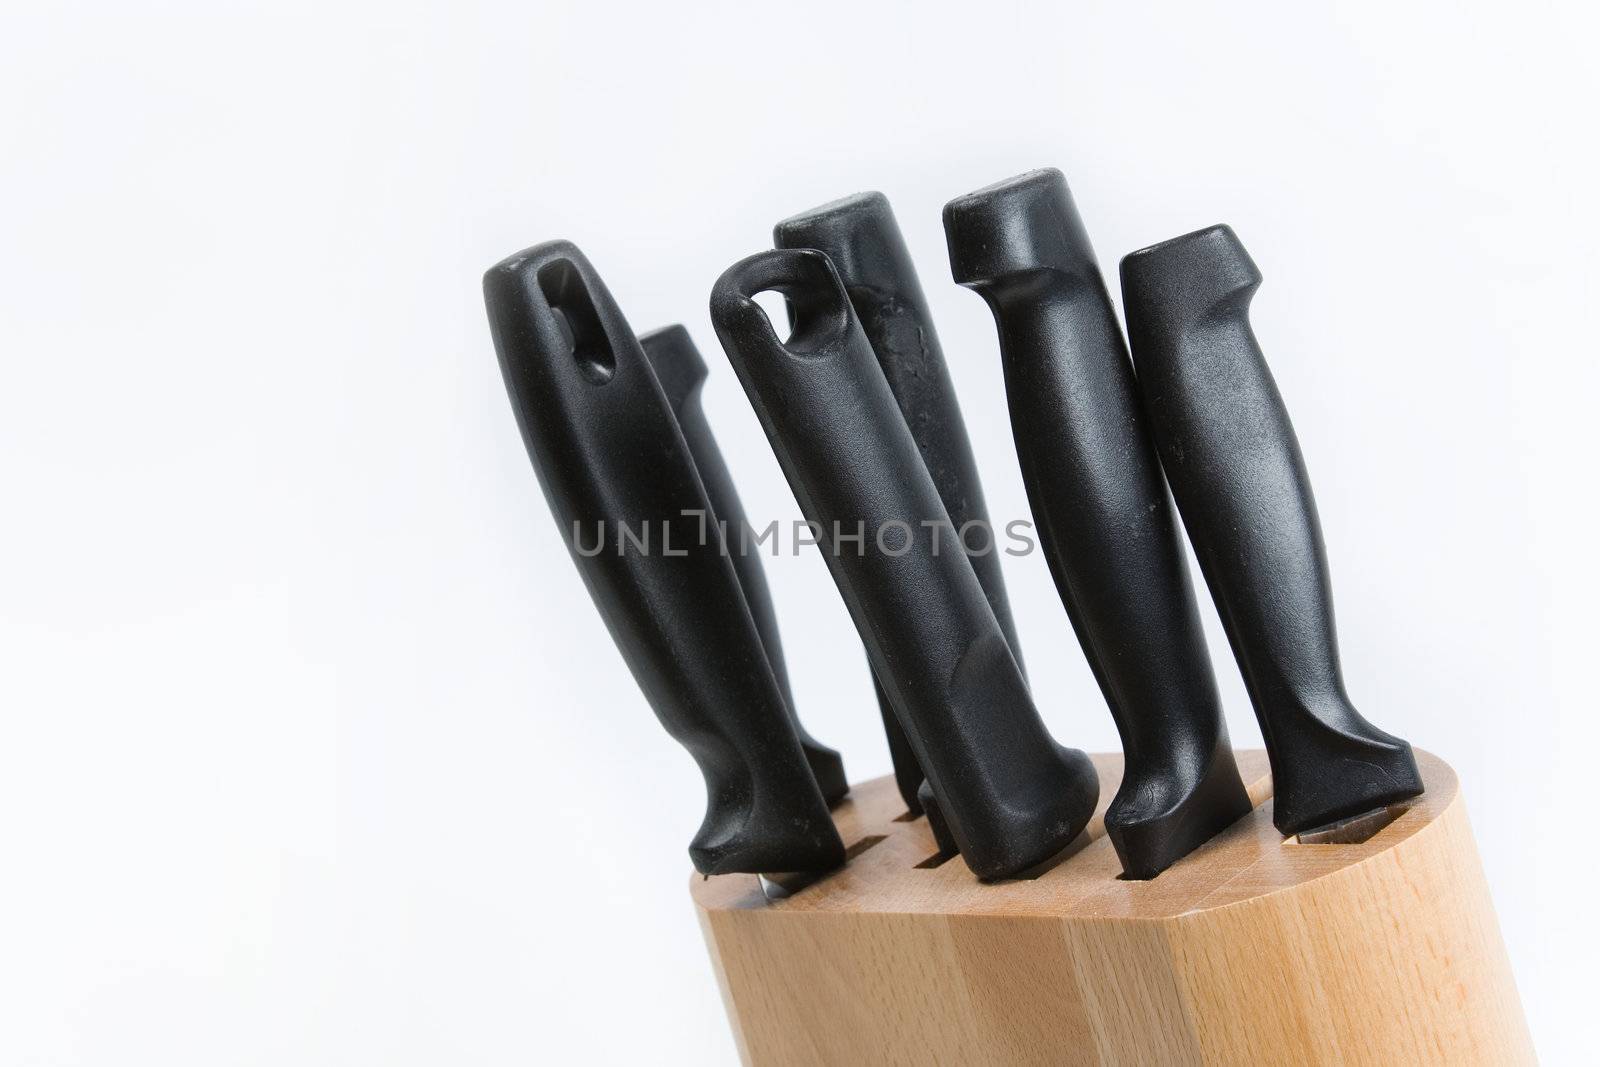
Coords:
1252,950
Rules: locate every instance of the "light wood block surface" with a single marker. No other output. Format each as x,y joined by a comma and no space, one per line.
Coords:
1252,950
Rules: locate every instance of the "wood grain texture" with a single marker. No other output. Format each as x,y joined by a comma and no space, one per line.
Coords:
1252,950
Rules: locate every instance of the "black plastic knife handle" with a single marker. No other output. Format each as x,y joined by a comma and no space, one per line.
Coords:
1235,468
682,374
607,450
860,235
1012,796
1104,521
936,825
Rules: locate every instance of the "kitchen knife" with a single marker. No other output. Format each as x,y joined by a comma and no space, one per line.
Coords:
1012,796
860,235
682,374
1101,508
623,486
1236,471
940,829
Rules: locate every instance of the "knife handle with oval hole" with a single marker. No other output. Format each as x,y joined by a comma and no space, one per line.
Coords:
682,374
1012,796
1236,470
860,235
1108,531
608,450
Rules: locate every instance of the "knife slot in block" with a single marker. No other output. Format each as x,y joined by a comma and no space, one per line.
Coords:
1244,951
1356,830
861,846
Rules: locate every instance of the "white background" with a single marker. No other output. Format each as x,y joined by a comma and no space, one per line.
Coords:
312,749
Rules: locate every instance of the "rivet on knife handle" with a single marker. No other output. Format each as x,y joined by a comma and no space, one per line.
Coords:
607,449
1012,796
1104,521
682,373
1236,471
860,235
